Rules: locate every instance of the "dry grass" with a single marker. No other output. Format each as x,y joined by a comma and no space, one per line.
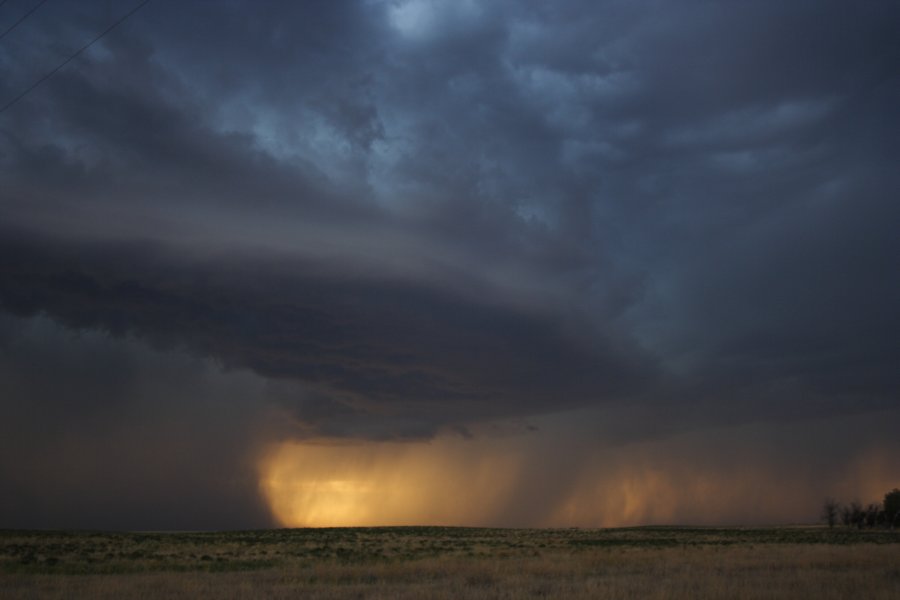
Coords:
454,563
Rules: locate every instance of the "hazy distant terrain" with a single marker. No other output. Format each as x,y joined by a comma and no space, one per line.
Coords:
441,562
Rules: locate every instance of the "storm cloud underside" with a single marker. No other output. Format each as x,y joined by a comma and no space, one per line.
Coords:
616,251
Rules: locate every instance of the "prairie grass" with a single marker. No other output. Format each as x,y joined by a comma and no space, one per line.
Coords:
454,563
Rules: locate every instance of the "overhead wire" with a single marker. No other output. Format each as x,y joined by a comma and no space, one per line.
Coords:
22,18
73,56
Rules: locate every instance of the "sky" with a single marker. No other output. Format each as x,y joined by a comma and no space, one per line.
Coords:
392,262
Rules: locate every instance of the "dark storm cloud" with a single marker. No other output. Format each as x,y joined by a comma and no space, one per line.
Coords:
598,152
425,352
104,433
409,216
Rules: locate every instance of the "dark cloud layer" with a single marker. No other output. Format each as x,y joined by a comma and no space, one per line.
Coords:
105,433
359,342
400,218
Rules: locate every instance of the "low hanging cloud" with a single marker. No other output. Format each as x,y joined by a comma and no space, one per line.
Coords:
385,222
437,357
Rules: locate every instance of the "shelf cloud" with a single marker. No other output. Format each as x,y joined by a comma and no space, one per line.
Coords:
575,245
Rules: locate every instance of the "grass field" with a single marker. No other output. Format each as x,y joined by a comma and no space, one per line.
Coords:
438,562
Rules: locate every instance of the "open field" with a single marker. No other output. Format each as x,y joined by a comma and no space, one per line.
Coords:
437,562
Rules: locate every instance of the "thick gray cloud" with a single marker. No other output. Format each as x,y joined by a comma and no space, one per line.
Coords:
102,432
408,217
361,341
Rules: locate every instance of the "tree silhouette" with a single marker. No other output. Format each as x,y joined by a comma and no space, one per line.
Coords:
873,515
857,514
846,516
830,511
892,507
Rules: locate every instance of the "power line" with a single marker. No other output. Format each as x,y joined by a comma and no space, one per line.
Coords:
73,56
25,16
